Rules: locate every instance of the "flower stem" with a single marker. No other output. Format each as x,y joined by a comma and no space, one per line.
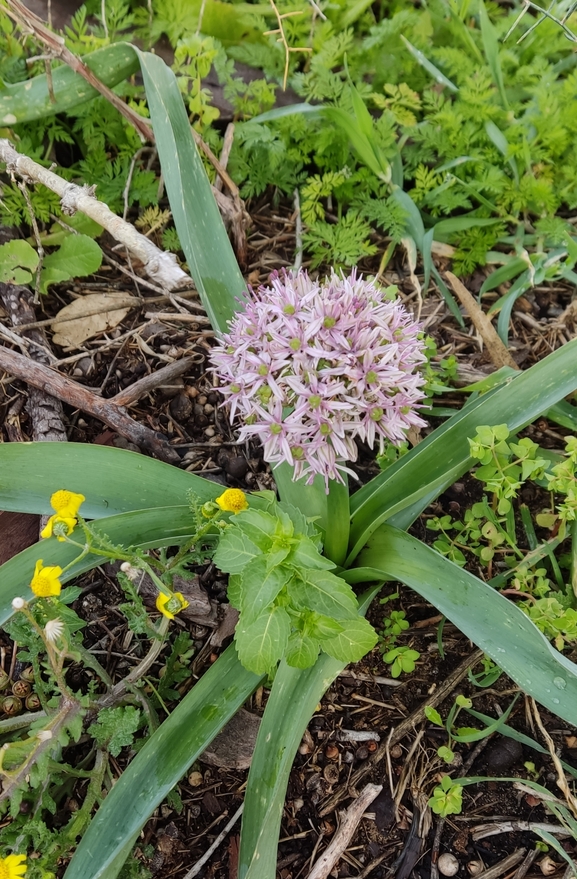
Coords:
338,522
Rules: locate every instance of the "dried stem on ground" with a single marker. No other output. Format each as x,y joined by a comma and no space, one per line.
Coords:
162,267
348,824
39,376
497,350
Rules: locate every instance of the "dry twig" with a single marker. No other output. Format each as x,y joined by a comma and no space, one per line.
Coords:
79,397
497,351
349,823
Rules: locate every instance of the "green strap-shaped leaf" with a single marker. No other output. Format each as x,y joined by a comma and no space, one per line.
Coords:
197,219
291,704
496,625
29,100
161,763
111,480
443,457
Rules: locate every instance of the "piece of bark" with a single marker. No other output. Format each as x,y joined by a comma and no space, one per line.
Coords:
45,411
233,747
39,376
498,352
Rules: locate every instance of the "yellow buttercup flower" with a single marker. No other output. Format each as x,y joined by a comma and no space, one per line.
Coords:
169,605
45,583
66,503
233,500
13,867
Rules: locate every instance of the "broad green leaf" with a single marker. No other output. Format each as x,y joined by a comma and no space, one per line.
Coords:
350,645
18,260
258,526
302,651
234,590
429,66
161,526
234,551
496,625
260,586
197,219
163,760
293,699
78,256
324,593
306,555
261,644
29,100
428,469
112,480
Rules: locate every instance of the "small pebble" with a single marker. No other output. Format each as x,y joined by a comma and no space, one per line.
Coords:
202,399
448,864
209,432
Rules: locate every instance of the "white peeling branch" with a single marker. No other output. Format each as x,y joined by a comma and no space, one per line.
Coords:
162,267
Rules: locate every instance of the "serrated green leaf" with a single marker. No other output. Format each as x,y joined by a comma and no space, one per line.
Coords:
234,551
350,645
306,555
260,586
258,526
302,651
324,593
261,644
234,590
115,727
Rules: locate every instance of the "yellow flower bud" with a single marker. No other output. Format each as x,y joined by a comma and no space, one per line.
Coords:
169,605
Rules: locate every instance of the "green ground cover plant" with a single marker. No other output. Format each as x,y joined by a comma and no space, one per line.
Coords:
293,562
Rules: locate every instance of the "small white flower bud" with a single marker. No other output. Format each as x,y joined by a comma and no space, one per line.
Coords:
18,603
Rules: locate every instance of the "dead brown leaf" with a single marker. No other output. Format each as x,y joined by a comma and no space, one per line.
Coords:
89,316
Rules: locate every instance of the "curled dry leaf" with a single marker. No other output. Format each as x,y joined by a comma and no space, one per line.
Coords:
88,316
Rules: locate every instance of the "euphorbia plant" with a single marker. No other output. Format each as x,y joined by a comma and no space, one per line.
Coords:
141,502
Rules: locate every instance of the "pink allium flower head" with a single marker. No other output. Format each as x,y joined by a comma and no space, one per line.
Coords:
310,365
